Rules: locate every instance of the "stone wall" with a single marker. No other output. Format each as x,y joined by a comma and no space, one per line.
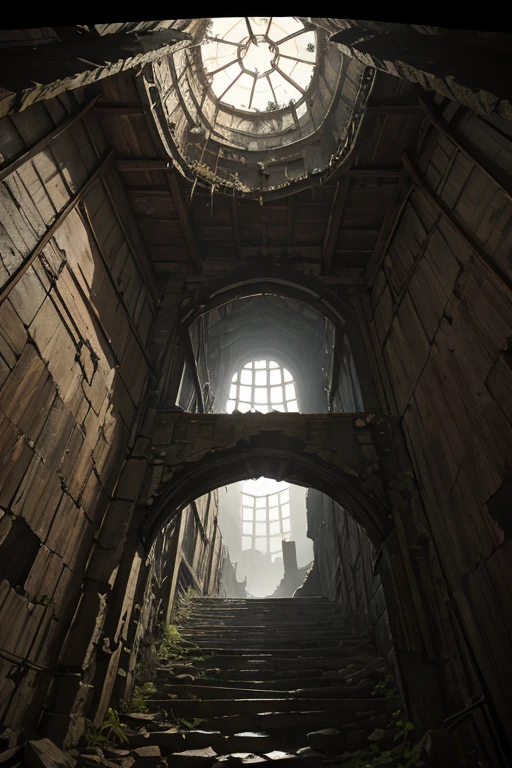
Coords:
346,565
73,372
438,307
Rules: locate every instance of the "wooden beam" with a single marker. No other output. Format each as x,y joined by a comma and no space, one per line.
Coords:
290,221
119,108
391,107
397,204
493,172
12,165
16,276
143,164
190,357
392,172
458,226
333,226
185,220
236,226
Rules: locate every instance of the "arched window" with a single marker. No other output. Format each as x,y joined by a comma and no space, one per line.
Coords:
265,515
262,385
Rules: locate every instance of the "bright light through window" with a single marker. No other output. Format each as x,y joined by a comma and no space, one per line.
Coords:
262,385
266,518
259,64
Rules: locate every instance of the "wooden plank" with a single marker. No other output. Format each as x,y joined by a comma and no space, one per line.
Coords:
493,172
455,223
333,226
185,221
13,165
143,164
21,270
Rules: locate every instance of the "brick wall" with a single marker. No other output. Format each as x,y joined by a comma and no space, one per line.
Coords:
72,377
441,326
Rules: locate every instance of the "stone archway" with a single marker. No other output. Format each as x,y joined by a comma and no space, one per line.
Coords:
272,279
346,456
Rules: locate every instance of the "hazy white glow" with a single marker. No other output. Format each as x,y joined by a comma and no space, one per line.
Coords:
257,63
262,385
263,486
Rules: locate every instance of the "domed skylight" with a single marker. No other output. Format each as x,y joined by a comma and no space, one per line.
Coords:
259,64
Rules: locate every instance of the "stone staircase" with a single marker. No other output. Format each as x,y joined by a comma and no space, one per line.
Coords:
264,680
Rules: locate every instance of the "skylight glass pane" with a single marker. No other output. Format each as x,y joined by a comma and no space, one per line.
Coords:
284,496
278,407
232,391
261,501
275,376
230,407
247,514
261,515
245,394
258,364
246,376
301,110
260,395
290,391
244,407
274,528
284,91
260,378
286,525
292,407
273,364
276,395
273,513
246,542
285,510
287,375
261,545
247,528
262,408
261,529
240,94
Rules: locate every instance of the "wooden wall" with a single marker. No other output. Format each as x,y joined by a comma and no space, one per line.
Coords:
72,377
441,326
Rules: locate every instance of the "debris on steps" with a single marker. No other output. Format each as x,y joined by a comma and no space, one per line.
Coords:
258,681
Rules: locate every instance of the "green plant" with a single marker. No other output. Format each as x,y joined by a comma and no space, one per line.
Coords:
138,701
93,738
172,646
113,728
193,723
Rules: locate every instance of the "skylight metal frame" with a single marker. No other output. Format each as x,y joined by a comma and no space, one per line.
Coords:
243,46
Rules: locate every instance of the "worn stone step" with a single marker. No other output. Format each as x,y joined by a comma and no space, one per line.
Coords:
202,691
219,707
302,722
255,742
283,631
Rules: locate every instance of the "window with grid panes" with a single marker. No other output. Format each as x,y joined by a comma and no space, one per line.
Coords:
262,385
265,516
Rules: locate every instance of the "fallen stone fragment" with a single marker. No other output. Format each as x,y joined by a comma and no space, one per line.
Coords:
193,758
327,740
45,754
149,751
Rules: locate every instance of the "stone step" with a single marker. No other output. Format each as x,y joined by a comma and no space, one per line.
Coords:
220,707
202,691
302,722
346,655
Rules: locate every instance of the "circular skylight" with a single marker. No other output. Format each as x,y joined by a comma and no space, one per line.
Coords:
259,64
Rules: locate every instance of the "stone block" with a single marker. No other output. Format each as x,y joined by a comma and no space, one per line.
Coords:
327,740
